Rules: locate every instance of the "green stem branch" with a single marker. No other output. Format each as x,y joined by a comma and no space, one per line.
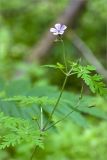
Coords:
76,106
57,102
64,54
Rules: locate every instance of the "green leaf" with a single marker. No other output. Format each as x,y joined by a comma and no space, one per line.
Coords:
91,68
26,100
93,81
57,66
50,66
18,131
60,66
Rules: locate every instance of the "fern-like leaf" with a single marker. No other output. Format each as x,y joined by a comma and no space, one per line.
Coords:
94,82
26,100
16,131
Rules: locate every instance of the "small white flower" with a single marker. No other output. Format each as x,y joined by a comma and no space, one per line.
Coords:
59,29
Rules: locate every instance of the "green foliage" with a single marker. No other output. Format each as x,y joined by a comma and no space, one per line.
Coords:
57,66
69,103
41,101
16,131
93,81
90,143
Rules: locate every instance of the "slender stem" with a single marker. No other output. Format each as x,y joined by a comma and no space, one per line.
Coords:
62,71
76,106
57,102
64,54
63,117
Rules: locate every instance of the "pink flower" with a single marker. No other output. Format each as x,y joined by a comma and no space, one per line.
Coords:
59,29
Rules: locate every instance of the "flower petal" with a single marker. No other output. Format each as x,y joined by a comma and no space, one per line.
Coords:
61,32
58,26
63,27
55,33
53,30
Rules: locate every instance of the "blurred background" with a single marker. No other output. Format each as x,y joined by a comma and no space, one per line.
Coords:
26,44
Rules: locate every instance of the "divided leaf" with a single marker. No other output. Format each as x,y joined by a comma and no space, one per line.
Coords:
17,131
26,100
93,81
